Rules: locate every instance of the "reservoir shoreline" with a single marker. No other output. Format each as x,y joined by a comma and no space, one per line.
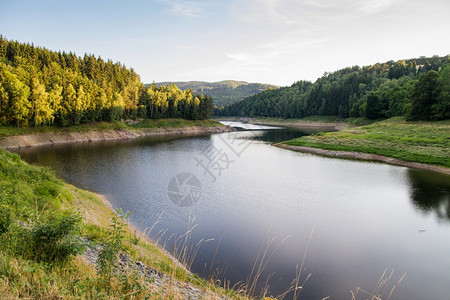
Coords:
342,126
53,138
365,156
138,232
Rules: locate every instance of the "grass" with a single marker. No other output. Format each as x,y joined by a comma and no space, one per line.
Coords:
423,142
105,126
381,290
32,204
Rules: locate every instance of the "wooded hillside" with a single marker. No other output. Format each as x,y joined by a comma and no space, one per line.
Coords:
416,88
39,86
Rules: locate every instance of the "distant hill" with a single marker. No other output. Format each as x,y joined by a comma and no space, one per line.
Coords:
223,92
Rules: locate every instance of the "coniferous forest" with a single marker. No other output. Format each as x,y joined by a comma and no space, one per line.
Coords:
418,89
42,87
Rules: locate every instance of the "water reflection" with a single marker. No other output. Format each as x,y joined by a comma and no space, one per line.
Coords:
430,192
249,126
275,134
289,133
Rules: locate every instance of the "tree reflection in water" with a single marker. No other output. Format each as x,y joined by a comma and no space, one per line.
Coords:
430,192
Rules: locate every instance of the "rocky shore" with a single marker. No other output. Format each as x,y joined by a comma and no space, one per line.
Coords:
156,280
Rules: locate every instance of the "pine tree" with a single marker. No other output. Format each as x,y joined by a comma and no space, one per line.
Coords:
41,109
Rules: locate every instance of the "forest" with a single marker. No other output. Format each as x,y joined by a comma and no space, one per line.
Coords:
223,92
43,87
418,89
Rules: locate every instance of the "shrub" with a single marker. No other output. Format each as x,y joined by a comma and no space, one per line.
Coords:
5,218
56,239
111,249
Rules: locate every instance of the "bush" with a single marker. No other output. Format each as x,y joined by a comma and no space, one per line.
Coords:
5,218
111,249
56,239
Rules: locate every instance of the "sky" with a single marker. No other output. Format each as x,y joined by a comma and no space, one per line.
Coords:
267,41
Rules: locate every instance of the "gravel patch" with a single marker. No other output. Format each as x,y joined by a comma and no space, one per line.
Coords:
156,279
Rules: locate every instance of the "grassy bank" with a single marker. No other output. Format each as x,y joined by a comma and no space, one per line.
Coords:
44,228
423,142
105,126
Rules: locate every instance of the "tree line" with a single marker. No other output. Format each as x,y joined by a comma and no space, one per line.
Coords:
418,89
40,87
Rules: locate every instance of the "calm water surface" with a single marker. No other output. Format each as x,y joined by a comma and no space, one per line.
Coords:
366,217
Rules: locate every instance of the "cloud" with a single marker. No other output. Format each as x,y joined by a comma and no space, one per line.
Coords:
257,62
295,12
280,41
270,53
375,6
187,9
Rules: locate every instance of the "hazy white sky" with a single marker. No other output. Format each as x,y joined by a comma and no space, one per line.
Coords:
268,41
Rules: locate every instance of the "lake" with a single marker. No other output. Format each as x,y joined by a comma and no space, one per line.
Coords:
245,197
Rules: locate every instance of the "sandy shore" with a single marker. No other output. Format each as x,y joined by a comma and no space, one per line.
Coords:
42,139
365,156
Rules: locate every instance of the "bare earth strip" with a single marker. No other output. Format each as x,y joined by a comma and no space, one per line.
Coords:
365,156
42,139
301,124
